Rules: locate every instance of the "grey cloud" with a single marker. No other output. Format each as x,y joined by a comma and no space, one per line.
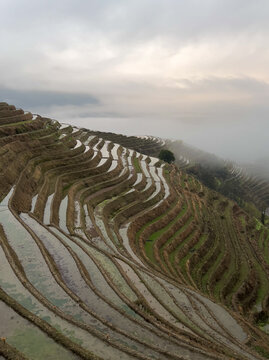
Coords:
34,99
215,83
137,20
108,59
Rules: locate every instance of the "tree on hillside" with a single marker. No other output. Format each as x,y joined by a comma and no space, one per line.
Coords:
167,156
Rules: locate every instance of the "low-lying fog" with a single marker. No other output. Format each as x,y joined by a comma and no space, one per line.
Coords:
238,132
191,70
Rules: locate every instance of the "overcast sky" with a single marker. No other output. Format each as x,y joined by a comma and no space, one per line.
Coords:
196,70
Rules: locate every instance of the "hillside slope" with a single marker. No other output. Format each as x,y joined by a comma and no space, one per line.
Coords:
247,184
106,253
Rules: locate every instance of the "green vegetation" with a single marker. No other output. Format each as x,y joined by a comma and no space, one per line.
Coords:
137,165
94,265
167,156
218,177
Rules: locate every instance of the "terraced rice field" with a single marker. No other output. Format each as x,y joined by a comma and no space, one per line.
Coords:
254,182
107,253
250,180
